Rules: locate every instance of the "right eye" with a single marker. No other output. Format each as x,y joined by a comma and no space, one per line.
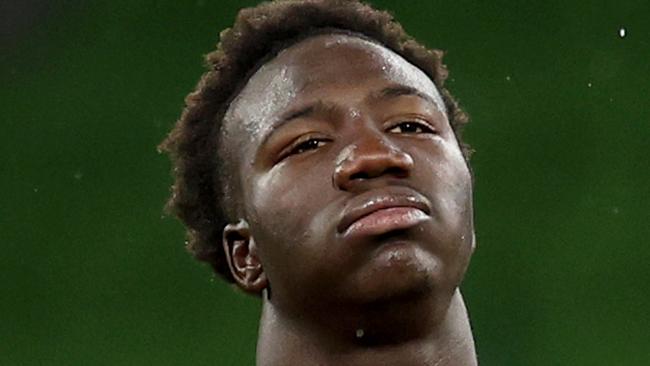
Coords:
310,144
304,146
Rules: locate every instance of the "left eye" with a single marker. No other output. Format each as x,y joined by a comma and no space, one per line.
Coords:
411,127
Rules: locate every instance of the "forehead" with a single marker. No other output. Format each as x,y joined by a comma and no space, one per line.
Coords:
321,67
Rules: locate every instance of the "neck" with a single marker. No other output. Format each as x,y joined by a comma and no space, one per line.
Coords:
447,341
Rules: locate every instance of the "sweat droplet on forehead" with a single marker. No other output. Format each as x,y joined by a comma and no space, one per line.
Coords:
318,68
359,59
400,69
270,89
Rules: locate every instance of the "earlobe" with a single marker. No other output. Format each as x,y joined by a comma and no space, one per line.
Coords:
243,259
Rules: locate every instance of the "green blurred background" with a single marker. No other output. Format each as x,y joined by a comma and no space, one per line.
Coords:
92,273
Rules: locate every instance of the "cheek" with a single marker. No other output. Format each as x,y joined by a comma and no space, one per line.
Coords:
284,201
450,191
444,167
457,215
285,208
456,183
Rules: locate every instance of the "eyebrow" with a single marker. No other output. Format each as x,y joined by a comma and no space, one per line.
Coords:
305,111
400,90
317,107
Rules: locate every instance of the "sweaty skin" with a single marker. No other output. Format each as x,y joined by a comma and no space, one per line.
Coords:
332,123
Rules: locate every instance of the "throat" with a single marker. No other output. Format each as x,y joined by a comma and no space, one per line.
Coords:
388,333
395,321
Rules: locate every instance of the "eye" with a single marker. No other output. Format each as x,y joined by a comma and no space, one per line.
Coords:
310,144
411,127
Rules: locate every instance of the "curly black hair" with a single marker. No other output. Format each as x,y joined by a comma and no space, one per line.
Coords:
258,34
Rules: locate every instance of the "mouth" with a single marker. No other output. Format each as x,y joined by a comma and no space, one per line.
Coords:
378,212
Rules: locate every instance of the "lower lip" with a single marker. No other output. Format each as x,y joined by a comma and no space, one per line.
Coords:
385,220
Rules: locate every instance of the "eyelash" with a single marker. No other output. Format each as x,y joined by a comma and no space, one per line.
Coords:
304,146
298,149
424,127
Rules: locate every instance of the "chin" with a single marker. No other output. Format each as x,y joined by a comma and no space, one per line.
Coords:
398,270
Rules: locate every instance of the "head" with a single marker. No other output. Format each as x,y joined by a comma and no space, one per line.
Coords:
310,110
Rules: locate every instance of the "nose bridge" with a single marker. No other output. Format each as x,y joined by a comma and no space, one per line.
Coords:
369,144
370,154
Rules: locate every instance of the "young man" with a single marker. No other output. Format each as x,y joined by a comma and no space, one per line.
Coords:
319,165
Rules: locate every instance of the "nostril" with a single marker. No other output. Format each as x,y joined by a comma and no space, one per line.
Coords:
396,172
393,171
359,175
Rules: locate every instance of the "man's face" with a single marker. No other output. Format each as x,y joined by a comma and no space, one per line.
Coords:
335,128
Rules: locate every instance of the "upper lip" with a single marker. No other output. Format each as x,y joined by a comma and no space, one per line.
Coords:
371,201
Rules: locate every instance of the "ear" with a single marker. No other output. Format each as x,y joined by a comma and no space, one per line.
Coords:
242,257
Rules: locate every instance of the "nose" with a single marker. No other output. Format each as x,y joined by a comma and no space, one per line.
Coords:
366,159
